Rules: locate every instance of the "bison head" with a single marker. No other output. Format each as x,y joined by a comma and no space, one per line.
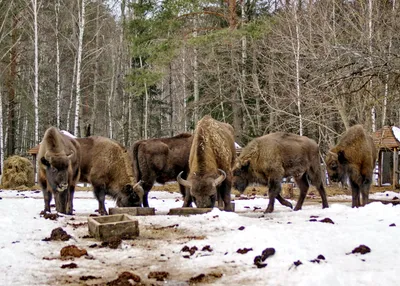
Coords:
57,170
335,163
203,189
241,175
132,196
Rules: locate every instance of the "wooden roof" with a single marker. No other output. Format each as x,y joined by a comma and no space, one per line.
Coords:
34,150
384,138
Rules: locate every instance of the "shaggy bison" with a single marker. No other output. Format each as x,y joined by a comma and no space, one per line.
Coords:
211,158
106,165
160,160
59,159
270,158
353,157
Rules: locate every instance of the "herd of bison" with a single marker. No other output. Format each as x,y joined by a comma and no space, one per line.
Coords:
204,164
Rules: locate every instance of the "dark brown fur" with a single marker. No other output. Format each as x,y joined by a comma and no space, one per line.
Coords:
212,149
270,158
59,158
160,160
106,165
354,156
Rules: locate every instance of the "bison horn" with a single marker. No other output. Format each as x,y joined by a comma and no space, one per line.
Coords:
137,184
47,156
183,182
221,178
332,153
70,155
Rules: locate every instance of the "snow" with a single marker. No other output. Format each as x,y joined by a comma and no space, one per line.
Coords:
68,134
158,248
396,132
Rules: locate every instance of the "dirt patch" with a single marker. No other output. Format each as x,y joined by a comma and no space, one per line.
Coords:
362,249
113,242
72,251
58,234
205,278
158,275
124,279
69,266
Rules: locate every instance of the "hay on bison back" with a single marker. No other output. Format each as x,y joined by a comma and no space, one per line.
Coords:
18,172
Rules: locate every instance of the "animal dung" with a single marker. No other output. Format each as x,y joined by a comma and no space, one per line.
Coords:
188,211
105,227
134,211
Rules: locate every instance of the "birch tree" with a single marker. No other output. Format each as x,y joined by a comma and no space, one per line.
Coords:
58,83
81,24
35,11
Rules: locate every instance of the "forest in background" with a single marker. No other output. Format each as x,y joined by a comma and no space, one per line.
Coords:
135,69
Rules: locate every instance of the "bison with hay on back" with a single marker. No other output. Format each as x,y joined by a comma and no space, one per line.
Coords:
59,159
353,157
160,160
212,155
270,158
106,165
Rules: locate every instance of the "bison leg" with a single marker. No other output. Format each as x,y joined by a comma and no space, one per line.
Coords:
146,188
316,180
355,194
100,194
47,196
188,199
303,185
61,201
70,205
224,195
365,192
274,190
283,201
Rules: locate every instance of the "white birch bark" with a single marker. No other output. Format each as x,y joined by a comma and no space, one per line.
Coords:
81,22
373,109
1,133
35,11
146,105
111,96
296,50
386,91
58,83
71,96
184,88
195,85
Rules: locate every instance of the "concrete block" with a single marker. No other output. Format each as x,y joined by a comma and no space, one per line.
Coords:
132,211
189,211
104,227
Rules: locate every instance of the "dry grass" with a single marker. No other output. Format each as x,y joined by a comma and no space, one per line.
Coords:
17,173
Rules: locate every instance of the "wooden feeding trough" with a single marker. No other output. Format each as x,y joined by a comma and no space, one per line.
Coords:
104,227
193,211
189,211
133,211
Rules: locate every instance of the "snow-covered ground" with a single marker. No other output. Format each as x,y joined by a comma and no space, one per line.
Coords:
27,260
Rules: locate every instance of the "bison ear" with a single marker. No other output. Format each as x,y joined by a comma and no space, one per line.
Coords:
45,162
341,157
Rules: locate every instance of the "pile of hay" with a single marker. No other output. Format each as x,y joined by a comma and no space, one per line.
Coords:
18,172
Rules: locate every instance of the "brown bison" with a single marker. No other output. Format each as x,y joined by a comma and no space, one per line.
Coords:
212,155
59,159
270,158
160,160
106,165
353,157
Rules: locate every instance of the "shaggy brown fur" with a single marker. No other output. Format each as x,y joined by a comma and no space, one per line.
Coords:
354,156
160,160
212,149
106,165
270,158
59,158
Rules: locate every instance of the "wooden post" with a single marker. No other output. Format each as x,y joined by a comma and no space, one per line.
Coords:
395,168
380,157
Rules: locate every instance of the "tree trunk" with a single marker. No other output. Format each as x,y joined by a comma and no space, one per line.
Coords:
296,50
58,83
36,69
1,133
81,20
373,109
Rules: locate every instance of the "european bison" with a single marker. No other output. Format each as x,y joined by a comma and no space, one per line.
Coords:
211,158
160,160
106,165
354,156
59,159
270,158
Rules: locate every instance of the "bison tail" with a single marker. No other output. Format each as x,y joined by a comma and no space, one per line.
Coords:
135,162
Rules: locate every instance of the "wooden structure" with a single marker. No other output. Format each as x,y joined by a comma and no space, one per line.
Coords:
388,150
33,152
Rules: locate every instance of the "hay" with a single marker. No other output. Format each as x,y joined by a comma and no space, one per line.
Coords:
18,173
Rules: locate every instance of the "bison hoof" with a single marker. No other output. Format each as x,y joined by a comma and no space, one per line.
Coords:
268,210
